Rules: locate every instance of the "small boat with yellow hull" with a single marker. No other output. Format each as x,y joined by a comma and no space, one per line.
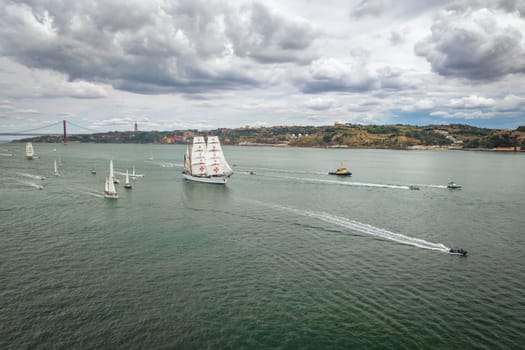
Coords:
341,171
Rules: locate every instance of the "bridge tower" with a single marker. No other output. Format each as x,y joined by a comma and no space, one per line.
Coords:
65,133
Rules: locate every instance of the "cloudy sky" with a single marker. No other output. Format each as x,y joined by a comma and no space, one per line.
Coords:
177,64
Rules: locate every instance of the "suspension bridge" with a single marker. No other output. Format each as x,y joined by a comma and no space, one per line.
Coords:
45,130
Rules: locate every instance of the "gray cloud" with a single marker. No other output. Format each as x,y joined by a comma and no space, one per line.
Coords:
398,8
511,6
371,8
337,75
155,46
350,75
474,45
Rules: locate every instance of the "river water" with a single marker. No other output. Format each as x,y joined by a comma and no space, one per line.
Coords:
288,257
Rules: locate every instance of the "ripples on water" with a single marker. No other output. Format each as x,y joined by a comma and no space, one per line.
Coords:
286,258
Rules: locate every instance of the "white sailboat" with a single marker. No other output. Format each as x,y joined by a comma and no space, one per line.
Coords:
109,189
56,173
127,184
111,173
134,176
206,163
29,150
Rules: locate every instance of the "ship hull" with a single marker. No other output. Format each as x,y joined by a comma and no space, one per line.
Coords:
216,180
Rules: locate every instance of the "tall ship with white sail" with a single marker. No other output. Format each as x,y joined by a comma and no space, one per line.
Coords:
206,162
29,151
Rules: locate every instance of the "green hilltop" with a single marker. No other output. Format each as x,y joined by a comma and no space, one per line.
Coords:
452,136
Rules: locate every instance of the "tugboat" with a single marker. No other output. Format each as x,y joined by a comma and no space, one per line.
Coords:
342,171
458,251
453,185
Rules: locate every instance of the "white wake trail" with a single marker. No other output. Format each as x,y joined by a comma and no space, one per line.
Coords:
432,186
31,176
94,194
344,183
368,229
31,184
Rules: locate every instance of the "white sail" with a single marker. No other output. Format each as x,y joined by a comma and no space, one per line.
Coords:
111,176
216,164
111,172
127,184
187,161
109,189
198,157
56,173
29,150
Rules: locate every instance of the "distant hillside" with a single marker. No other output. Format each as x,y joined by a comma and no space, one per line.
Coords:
397,136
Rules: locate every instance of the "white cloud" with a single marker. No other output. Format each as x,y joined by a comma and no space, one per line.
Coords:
320,103
480,44
472,101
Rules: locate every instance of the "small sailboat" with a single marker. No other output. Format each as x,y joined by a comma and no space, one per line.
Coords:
206,163
151,156
111,173
29,150
134,175
127,184
56,173
109,189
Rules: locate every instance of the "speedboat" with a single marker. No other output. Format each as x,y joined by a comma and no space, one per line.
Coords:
341,171
453,185
458,251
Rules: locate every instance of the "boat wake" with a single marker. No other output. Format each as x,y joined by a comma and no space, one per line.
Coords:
345,183
275,170
432,186
92,193
169,165
368,229
31,184
31,176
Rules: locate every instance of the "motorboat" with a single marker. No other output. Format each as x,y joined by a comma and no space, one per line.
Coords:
458,251
414,187
341,171
453,185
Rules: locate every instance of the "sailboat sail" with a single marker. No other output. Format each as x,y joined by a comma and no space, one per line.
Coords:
187,160
198,157
111,173
216,164
29,150
109,188
127,184
56,173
